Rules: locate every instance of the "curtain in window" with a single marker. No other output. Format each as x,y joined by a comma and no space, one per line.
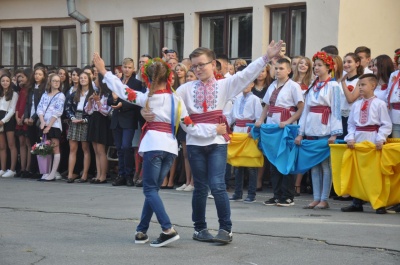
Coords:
212,35
24,47
106,45
173,36
240,35
50,40
119,45
7,47
150,38
279,25
69,47
298,32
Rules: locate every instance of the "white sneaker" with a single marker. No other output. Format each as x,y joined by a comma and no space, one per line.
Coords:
2,172
189,188
9,174
58,175
210,196
183,187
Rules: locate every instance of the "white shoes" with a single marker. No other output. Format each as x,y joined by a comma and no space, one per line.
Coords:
181,188
210,196
8,174
189,188
2,172
58,176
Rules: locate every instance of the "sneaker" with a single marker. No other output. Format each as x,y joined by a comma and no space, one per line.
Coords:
381,210
165,239
9,174
141,238
249,200
235,198
394,209
119,181
203,236
271,202
210,196
181,188
2,172
223,237
352,208
286,203
58,176
189,188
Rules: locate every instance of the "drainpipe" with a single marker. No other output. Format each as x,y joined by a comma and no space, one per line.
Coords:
72,12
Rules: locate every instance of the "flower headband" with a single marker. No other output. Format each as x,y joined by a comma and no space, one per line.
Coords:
147,78
396,58
323,56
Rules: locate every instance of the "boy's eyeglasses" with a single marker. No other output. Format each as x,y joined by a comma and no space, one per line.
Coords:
199,66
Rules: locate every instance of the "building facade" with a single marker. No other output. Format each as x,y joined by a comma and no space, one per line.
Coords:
46,31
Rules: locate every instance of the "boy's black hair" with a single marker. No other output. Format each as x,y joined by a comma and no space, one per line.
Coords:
331,49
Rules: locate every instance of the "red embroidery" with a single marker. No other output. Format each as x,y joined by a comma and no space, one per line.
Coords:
365,110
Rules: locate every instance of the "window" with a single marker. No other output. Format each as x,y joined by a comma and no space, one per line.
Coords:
112,44
16,48
59,46
228,33
289,24
156,34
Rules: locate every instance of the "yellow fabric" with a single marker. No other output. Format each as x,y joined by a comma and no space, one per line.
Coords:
243,151
366,173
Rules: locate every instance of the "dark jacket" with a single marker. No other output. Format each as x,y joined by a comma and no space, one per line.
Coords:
37,97
128,115
70,108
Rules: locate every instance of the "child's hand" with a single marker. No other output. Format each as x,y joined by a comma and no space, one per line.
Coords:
298,139
99,63
283,124
379,145
332,139
258,124
221,128
350,144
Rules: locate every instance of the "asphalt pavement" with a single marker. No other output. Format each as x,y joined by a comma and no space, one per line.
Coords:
60,223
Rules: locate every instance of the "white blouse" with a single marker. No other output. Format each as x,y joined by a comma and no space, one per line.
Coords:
8,107
55,109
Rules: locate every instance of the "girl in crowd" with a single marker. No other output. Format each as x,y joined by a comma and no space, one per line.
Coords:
65,84
321,119
49,110
181,71
350,91
382,67
303,73
77,131
239,62
8,102
99,132
21,129
181,136
38,84
338,70
261,85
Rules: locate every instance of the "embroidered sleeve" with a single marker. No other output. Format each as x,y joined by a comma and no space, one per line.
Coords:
386,124
57,106
41,107
336,116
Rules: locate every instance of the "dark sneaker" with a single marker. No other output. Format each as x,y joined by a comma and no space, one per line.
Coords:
352,208
165,239
139,183
235,198
141,238
203,236
129,182
286,203
271,202
223,237
249,200
119,181
381,210
394,209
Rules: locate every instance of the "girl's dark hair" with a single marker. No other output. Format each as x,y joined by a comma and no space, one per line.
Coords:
357,59
175,85
42,85
27,72
103,88
158,73
65,86
384,65
9,92
268,79
79,90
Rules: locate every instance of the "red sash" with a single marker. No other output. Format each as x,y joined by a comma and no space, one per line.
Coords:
285,113
242,123
396,106
368,128
325,110
213,117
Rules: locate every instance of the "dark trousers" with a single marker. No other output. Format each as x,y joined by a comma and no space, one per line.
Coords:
282,185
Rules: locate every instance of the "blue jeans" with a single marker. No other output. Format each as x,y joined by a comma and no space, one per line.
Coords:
208,165
123,143
282,185
322,180
156,165
251,192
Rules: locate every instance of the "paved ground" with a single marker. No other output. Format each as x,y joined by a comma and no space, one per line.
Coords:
60,223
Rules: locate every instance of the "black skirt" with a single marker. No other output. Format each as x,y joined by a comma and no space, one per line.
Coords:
99,129
54,133
10,125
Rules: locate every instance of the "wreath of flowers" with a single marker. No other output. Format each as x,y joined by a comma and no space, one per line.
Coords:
323,56
147,78
396,58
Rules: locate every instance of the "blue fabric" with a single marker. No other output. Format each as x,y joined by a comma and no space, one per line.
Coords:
310,153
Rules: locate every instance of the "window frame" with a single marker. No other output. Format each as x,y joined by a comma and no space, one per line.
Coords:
288,10
16,66
161,20
113,62
225,34
60,46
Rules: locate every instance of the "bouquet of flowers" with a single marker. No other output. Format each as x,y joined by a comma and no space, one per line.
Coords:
42,149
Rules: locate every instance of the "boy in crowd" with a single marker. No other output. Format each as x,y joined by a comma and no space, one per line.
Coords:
365,55
284,104
369,120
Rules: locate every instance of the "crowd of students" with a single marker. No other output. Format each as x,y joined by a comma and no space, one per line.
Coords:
355,98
